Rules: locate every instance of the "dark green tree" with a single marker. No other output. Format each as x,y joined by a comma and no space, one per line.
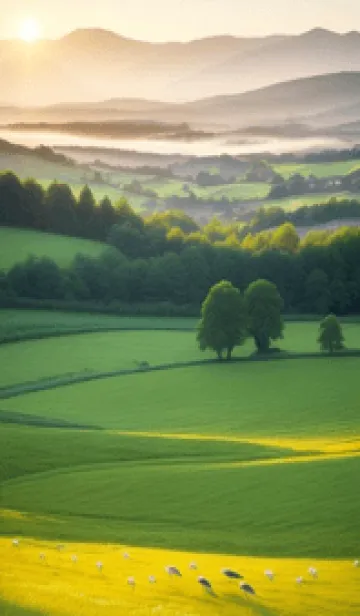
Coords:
85,213
331,338
317,291
263,307
223,323
61,209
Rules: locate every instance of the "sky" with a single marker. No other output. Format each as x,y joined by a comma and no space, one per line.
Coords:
162,20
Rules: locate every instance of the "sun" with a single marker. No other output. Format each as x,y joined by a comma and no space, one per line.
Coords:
29,30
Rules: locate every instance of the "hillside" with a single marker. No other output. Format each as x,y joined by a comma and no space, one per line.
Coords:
301,99
90,64
19,244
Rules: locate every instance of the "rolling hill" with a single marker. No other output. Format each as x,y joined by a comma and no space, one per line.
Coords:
91,64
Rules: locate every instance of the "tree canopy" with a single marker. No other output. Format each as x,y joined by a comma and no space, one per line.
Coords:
331,338
263,305
223,323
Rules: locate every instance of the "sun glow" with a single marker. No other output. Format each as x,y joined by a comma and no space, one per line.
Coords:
29,30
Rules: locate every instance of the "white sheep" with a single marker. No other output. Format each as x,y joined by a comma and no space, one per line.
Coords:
300,580
269,574
152,579
131,582
74,558
356,563
193,566
99,566
313,572
15,543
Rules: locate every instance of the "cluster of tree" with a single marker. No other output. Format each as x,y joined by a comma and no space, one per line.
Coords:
318,277
305,216
136,188
262,171
228,317
204,178
27,205
324,156
297,184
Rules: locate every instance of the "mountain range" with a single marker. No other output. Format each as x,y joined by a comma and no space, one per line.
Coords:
91,65
319,103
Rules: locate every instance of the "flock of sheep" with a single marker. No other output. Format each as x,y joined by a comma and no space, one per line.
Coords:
204,582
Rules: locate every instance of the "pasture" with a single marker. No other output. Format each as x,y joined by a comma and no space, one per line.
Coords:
251,465
19,244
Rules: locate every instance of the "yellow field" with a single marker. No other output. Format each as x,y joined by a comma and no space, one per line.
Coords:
64,588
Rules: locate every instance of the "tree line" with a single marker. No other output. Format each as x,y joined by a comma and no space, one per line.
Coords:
312,279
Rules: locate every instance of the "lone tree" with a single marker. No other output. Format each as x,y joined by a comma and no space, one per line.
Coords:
263,306
331,337
223,322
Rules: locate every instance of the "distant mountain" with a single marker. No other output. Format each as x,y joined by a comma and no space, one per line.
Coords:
296,107
301,100
93,64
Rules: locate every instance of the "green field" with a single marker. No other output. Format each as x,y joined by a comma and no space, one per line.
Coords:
119,350
320,170
258,459
19,244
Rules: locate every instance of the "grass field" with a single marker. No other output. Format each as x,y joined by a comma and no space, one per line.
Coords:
320,170
108,351
19,244
247,465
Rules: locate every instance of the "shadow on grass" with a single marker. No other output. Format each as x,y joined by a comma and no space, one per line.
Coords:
257,607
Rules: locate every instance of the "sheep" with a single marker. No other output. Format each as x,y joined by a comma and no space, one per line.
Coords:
247,589
206,584
74,558
42,556
60,547
152,579
193,566
15,543
231,574
313,572
269,574
131,582
173,571
99,566
356,563
300,580
126,555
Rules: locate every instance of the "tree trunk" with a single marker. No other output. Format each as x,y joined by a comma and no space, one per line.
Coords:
228,354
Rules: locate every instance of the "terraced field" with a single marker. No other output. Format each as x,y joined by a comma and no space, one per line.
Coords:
250,465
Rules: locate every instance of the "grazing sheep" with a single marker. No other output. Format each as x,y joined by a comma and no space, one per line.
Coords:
15,543
60,547
247,589
300,580
313,572
231,574
74,558
42,556
269,574
126,555
152,579
173,571
131,582
206,584
99,566
356,563
193,566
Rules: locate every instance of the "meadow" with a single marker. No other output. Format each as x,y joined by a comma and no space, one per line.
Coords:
19,244
251,465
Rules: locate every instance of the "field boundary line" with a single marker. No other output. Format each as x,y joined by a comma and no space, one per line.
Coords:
63,381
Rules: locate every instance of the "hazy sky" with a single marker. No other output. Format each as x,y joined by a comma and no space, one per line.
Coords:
160,20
